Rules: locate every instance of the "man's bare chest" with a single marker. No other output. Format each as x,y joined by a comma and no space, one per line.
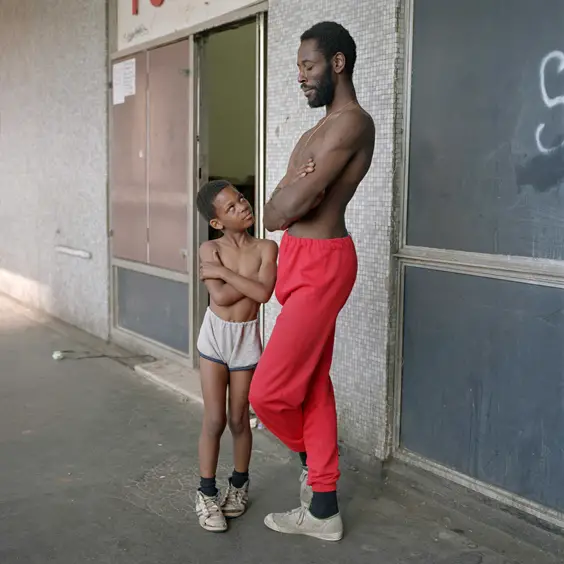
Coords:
307,146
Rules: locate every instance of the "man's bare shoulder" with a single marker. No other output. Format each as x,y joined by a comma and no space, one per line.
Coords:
356,120
352,127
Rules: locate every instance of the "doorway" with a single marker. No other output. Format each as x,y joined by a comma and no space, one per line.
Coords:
228,106
231,85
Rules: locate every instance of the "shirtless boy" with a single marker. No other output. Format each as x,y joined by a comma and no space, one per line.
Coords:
292,393
239,272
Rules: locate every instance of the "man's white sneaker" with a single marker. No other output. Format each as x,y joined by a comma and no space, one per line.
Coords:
235,500
209,513
306,492
301,522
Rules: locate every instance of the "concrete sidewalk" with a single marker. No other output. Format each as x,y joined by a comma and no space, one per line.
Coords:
100,465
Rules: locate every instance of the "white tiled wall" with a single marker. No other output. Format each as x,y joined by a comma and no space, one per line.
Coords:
53,157
360,368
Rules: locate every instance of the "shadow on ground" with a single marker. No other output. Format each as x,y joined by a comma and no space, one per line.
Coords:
100,466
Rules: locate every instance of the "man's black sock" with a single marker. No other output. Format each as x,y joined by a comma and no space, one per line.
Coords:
239,479
303,458
324,505
208,487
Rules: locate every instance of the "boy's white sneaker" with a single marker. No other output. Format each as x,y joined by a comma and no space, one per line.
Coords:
235,500
209,513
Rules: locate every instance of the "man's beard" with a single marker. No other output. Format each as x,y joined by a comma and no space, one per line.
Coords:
324,91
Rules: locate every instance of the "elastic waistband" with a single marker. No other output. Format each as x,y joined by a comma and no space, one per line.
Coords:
337,243
232,323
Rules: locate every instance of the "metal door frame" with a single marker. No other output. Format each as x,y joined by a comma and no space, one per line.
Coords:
260,143
200,177
541,272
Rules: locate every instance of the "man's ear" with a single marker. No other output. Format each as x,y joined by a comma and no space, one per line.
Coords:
216,224
339,63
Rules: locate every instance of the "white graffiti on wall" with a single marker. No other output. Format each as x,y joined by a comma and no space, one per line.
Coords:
548,101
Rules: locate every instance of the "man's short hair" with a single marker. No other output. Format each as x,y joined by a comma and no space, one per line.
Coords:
207,195
333,38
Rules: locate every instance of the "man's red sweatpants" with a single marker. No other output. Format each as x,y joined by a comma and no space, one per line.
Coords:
291,391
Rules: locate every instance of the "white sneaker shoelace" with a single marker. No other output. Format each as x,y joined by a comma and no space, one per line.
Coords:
211,506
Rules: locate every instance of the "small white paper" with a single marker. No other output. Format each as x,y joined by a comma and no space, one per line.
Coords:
117,84
128,74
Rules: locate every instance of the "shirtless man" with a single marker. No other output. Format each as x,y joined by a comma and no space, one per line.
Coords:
291,392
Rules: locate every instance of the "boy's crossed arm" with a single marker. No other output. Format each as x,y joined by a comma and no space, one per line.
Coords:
221,293
227,287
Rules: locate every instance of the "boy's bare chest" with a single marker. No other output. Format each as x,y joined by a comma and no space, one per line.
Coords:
307,146
245,262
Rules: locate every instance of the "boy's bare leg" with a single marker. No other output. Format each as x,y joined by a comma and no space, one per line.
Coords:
239,423
214,380
235,502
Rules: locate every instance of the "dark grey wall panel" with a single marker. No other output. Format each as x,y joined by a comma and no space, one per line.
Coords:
154,307
478,180
483,380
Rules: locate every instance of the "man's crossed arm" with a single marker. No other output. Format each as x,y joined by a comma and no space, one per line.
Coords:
292,201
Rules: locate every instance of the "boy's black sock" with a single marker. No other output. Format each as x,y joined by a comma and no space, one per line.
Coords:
208,487
303,458
324,505
238,479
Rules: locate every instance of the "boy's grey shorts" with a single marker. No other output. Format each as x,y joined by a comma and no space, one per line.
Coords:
235,345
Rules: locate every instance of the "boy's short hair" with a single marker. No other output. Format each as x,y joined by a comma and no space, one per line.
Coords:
207,195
